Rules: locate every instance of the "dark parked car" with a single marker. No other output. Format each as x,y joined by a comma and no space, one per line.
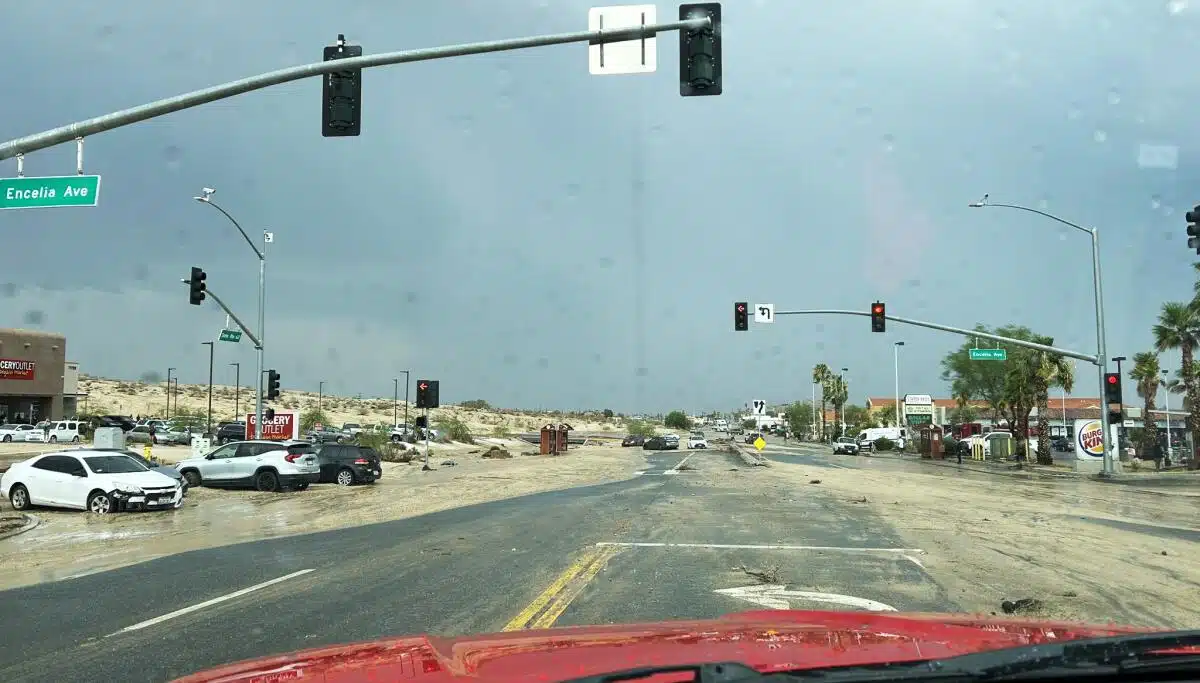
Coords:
633,440
328,435
656,443
231,431
346,464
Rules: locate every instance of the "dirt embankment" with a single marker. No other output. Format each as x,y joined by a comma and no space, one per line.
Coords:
70,543
1088,551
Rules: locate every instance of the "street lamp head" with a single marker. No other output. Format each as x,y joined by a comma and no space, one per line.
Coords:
899,343
983,201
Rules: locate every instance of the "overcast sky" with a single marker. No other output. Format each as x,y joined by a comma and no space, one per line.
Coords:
485,228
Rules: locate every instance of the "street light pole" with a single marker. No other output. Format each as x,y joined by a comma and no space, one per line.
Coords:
406,383
211,346
169,371
845,399
237,387
205,197
395,401
1098,292
896,348
320,395
814,405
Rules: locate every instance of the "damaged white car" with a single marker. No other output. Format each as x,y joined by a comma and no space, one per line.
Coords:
96,481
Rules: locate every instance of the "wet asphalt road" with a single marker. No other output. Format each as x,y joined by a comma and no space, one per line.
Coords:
654,547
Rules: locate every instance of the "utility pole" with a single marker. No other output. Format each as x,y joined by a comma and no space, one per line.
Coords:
1120,427
237,387
169,371
211,346
320,395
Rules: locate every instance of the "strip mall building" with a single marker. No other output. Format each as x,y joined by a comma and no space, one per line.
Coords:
36,380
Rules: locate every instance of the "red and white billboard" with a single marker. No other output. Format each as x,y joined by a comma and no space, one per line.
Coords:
284,426
11,368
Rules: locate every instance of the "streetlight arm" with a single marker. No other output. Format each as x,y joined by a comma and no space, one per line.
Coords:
1018,207
237,225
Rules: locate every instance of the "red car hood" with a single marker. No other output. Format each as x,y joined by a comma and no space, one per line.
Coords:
774,640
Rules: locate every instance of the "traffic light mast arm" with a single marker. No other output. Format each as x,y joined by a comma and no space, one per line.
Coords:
170,105
956,330
230,313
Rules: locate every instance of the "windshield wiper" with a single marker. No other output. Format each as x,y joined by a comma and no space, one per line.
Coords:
1140,652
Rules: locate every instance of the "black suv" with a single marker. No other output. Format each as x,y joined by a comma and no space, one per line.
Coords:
231,431
346,464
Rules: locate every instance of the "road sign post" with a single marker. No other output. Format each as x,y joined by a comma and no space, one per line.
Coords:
234,336
49,192
989,354
760,406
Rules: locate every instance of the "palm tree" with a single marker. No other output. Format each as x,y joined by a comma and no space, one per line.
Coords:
821,375
1146,373
837,391
1049,371
1178,327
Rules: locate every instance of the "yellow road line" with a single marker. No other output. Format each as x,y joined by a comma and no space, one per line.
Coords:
557,596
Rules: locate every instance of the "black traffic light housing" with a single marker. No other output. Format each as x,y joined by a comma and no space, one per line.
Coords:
272,385
878,317
341,94
1112,397
427,393
741,316
197,286
700,52
268,414
1193,228
420,422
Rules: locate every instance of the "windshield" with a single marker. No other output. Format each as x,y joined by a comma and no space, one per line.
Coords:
113,464
960,376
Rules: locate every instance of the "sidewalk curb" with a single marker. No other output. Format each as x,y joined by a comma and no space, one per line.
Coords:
31,523
1014,473
749,458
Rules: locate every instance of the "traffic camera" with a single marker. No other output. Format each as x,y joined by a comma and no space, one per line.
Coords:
272,385
878,317
197,286
741,319
341,96
700,51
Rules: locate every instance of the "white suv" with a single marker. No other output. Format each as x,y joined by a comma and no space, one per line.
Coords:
263,465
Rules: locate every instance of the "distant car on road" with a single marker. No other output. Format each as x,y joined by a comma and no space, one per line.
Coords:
845,444
633,440
697,440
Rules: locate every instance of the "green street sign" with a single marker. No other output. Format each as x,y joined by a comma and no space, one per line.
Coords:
49,192
234,336
989,354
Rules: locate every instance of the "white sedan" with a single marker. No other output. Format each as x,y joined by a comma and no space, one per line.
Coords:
97,481
697,441
15,432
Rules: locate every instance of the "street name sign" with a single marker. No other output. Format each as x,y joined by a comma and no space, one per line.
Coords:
627,56
764,313
989,354
49,192
234,336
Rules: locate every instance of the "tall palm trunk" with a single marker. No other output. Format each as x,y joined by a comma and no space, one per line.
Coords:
1192,395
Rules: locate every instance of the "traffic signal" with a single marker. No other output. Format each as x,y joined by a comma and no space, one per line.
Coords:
272,385
420,422
268,415
878,317
427,393
700,51
1112,398
741,319
1193,228
197,286
341,97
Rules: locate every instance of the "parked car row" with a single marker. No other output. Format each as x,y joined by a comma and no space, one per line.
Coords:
104,481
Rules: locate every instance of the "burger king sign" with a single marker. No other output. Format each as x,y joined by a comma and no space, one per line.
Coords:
1089,439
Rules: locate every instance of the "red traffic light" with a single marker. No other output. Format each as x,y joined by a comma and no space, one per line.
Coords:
741,308
878,309
1112,379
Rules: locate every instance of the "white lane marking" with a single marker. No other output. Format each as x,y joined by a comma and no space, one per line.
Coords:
676,468
774,596
741,546
209,603
914,560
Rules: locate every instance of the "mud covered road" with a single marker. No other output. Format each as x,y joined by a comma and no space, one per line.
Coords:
696,535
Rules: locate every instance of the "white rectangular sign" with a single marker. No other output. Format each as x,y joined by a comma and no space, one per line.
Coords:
918,399
764,313
628,56
917,409
759,406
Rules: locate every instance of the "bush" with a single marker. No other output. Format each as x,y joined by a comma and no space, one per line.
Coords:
884,444
677,420
311,418
455,429
640,428
477,404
